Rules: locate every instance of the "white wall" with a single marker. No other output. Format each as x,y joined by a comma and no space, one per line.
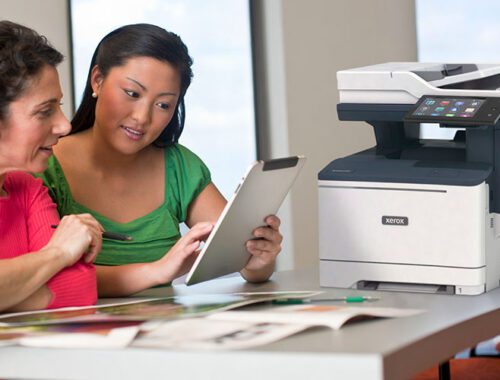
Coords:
49,18
305,44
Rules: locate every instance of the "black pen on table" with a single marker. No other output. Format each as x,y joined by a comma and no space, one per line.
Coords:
109,235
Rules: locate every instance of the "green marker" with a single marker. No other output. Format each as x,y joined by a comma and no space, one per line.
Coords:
356,299
348,299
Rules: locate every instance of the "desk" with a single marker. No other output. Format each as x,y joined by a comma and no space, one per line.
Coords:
381,349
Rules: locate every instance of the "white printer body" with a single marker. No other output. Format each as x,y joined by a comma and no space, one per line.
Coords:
415,214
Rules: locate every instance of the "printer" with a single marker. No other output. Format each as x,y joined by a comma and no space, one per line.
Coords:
411,213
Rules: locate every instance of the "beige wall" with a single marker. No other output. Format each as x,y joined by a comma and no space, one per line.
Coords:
318,38
49,18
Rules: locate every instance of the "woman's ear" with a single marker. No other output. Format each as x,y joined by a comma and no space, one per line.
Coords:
96,79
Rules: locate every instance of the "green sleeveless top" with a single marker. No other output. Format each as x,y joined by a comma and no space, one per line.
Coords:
153,234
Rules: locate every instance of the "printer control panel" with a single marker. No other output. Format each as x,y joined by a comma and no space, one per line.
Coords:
455,110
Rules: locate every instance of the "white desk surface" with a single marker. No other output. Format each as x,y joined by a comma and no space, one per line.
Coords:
379,349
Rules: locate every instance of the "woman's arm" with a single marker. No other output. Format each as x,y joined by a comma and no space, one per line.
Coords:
25,279
23,276
37,301
78,236
124,280
206,207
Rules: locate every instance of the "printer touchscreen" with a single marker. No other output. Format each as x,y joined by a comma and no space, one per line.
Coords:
455,110
449,107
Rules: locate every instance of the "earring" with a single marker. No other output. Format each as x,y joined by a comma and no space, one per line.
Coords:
94,95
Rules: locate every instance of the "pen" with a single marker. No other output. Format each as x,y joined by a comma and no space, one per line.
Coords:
109,235
348,299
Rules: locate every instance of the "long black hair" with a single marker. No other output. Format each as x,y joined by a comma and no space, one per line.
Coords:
138,40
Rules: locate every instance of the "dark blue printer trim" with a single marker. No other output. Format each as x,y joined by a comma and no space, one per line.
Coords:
372,111
365,167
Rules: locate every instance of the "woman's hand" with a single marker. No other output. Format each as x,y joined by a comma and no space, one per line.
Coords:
264,250
77,236
181,257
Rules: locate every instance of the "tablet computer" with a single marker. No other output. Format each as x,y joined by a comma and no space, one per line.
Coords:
259,194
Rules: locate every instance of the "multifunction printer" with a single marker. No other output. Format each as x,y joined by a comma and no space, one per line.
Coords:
411,213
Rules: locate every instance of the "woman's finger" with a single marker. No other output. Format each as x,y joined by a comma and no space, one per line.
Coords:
90,221
261,245
273,221
200,231
268,234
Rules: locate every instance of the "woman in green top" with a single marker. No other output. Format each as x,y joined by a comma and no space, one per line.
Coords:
122,164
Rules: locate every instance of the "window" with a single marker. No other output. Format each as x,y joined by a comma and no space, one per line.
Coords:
220,116
456,31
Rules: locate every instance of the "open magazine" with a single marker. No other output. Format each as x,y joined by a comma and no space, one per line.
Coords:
144,310
333,316
245,329
202,322
117,325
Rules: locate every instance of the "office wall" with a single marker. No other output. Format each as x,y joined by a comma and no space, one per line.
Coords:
304,44
49,18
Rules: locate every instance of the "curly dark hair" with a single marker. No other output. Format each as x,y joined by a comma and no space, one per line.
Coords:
138,40
23,54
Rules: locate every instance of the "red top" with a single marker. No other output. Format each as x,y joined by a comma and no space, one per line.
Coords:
26,216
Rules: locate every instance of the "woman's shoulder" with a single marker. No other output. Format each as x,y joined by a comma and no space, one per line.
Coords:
21,184
69,156
178,149
69,147
181,153
21,179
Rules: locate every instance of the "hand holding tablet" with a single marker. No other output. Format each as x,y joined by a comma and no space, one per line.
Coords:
260,194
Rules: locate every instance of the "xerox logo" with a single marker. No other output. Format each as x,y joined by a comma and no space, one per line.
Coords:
395,220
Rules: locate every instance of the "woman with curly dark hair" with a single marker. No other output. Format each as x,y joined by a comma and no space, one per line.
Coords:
39,267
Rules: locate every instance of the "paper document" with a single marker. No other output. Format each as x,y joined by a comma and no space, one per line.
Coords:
332,316
212,334
95,335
